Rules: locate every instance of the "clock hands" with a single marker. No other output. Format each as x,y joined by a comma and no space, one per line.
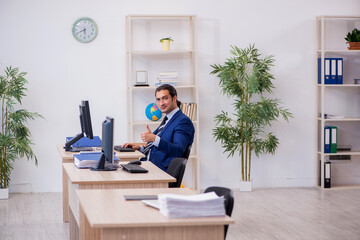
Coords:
84,30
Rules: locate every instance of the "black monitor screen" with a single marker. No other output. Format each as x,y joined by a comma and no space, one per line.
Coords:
85,119
86,128
108,139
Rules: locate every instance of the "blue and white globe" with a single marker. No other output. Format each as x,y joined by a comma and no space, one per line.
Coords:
153,112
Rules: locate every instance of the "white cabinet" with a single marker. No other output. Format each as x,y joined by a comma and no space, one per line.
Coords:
144,53
342,100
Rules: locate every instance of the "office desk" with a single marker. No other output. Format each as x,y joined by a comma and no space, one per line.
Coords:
120,179
67,157
106,215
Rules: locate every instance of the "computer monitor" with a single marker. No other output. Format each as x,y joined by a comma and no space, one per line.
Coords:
107,148
86,127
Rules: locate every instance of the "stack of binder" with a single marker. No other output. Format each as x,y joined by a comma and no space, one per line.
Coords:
90,159
330,139
333,70
198,205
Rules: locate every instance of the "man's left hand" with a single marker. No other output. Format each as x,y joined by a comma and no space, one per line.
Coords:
148,136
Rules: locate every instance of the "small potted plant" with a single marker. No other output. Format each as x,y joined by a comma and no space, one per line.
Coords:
353,38
165,43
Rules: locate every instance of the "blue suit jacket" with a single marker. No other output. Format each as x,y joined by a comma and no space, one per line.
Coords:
177,134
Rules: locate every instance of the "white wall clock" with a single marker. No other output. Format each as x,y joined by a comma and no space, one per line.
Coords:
84,30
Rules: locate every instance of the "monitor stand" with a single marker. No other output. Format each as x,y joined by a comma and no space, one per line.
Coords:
101,165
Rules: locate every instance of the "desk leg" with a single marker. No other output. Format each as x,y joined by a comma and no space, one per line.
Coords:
65,194
86,231
74,228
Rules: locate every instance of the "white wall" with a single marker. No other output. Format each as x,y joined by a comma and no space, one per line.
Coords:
36,36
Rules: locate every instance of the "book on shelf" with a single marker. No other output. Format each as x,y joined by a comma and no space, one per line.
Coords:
332,116
341,148
188,109
167,78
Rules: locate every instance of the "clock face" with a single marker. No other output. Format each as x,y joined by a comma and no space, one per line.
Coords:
84,30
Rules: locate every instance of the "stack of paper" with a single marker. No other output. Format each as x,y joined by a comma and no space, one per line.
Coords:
199,205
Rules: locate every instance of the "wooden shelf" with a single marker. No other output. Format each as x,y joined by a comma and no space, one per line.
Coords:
151,123
159,52
340,120
153,87
145,53
343,187
330,43
339,85
352,153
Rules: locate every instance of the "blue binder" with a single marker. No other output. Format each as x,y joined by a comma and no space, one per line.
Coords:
333,70
87,142
89,159
327,71
327,139
339,70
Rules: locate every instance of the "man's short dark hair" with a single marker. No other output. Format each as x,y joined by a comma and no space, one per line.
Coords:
171,89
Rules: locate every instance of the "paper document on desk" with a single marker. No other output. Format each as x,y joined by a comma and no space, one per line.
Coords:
89,159
199,205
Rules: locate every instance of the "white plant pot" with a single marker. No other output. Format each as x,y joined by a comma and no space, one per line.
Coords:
245,186
4,193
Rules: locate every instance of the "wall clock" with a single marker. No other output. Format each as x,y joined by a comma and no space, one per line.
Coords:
84,30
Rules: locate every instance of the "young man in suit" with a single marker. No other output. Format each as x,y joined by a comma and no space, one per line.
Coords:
174,134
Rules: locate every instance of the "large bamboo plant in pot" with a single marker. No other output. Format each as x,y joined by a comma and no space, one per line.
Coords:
246,78
15,140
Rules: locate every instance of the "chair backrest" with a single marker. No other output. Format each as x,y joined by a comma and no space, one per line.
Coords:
228,201
187,152
177,169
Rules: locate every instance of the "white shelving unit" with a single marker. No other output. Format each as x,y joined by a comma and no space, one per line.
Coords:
143,52
339,99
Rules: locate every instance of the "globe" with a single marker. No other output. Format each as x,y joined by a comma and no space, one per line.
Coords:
153,112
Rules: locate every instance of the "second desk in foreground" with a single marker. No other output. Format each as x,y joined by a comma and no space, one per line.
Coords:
105,214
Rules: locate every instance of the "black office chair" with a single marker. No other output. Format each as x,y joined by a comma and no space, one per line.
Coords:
228,201
187,152
177,169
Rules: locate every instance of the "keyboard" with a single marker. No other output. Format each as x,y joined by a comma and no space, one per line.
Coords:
134,168
122,149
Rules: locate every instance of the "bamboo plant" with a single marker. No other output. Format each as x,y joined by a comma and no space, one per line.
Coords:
14,136
246,77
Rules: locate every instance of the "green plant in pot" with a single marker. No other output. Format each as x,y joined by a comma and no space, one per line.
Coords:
165,43
246,78
15,140
353,38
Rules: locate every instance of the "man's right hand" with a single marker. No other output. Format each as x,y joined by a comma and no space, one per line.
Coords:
135,146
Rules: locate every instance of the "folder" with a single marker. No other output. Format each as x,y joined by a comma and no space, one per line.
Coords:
333,70
87,142
327,71
327,130
333,139
339,71
327,175
90,159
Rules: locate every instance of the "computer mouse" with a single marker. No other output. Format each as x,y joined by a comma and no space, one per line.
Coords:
138,162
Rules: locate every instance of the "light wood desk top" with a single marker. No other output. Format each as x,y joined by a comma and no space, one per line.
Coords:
108,208
123,156
86,176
